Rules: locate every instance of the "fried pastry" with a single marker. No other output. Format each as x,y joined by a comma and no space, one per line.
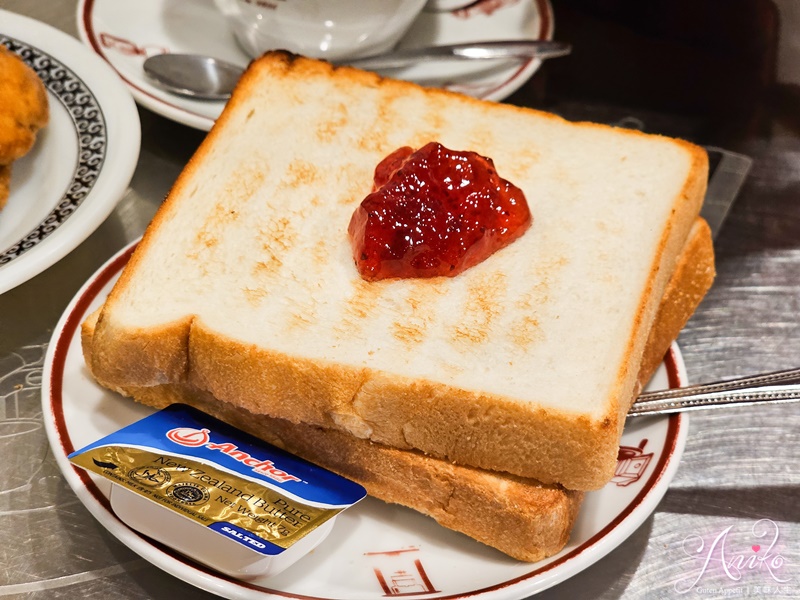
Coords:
23,112
5,180
23,107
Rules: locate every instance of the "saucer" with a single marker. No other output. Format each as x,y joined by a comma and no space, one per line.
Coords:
126,33
83,159
375,550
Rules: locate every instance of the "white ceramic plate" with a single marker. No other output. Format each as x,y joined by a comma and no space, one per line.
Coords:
126,33
82,161
375,550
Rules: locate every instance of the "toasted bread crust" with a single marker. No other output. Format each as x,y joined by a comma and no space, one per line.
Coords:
674,237
690,281
482,429
523,518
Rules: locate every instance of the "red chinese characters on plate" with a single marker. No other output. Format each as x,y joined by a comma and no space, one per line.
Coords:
632,463
400,572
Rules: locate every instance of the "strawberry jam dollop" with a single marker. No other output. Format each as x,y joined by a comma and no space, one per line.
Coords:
433,212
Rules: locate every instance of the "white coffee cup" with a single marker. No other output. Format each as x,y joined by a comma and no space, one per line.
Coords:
330,29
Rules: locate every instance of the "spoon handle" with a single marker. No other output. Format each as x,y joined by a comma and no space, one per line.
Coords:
777,387
517,49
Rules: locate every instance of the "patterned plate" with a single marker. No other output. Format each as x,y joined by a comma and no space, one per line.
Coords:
375,550
82,161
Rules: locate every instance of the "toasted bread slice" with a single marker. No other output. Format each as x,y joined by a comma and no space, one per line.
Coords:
523,518
244,285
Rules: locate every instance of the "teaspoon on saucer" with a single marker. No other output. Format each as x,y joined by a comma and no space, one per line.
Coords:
207,78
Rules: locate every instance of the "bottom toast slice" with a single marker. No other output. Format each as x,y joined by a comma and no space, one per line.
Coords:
523,518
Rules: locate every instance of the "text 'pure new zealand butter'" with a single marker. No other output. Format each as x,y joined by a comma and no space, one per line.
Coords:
185,479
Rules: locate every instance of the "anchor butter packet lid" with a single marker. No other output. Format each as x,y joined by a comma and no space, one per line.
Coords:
216,494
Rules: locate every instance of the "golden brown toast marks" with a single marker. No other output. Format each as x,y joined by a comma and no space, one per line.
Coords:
525,363
523,518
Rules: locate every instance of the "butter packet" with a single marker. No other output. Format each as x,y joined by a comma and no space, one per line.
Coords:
216,494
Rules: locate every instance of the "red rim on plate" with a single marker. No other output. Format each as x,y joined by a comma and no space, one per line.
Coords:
62,443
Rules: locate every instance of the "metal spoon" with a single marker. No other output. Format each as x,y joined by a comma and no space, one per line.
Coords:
207,78
192,75
777,387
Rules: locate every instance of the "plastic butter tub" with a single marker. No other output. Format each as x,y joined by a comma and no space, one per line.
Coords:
216,494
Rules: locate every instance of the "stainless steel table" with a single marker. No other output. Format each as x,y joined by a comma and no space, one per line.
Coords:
740,474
